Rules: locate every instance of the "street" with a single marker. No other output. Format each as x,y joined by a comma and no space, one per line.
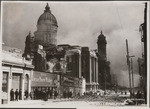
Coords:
82,102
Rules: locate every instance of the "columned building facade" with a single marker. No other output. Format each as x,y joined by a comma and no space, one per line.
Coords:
73,59
16,72
89,66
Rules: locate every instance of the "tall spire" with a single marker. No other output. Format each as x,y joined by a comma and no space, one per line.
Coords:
101,32
29,32
47,8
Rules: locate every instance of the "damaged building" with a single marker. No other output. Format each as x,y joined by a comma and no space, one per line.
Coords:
77,69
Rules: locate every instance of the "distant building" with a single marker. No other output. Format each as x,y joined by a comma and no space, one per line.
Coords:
103,65
143,61
16,72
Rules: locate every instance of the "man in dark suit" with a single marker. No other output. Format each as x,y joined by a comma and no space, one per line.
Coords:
16,95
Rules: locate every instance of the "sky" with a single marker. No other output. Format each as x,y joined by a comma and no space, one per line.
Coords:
80,23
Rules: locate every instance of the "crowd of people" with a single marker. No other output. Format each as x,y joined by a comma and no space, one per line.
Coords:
15,95
38,94
45,94
67,94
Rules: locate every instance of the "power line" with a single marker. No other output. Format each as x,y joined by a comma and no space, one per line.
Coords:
119,19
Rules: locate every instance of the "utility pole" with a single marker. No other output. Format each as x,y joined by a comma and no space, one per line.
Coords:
130,66
132,77
128,63
132,73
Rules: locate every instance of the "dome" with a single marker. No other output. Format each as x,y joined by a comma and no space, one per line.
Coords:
47,17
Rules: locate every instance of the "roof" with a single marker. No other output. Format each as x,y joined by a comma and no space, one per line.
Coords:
17,64
72,51
60,45
13,56
11,49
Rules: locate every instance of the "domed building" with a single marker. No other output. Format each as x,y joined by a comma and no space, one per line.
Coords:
44,41
51,60
46,34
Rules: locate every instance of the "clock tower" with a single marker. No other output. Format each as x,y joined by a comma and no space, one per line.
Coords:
102,59
101,42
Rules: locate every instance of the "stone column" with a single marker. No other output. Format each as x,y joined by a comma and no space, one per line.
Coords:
22,83
94,72
80,66
90,87
97,76
9,83
29,81
90,75
29,85
83,85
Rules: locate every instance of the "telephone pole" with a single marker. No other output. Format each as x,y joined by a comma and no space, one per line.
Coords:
130,67
132,73
128,63
132,76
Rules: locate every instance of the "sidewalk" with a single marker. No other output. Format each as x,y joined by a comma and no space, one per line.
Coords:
31,102
21,102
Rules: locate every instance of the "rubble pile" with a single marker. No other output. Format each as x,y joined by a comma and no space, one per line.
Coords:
99,98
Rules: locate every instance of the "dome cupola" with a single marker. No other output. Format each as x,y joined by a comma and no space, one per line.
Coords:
46,34
47,17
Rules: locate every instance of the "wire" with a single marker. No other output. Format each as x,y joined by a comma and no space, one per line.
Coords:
119,20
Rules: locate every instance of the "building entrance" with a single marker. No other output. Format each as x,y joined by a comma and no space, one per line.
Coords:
16,81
